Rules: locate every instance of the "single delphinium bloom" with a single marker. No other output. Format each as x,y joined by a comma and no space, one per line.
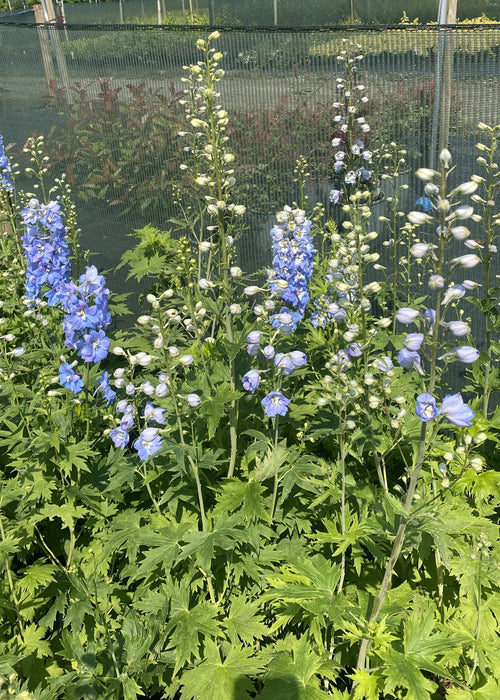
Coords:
275,404
353,161
293,258
251,380
148,443
46,251
120,437
70,379
456,411
6,182
426,408
156,414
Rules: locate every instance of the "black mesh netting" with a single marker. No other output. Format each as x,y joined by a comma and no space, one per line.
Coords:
107,100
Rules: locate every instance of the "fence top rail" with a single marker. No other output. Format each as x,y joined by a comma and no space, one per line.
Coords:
196,29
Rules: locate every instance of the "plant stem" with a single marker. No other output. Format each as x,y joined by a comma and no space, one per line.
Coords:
276,475
396,547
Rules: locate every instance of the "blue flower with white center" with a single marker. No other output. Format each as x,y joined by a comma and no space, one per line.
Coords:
148,443
119,437
95,346
275,404
426,408
70,379
456,411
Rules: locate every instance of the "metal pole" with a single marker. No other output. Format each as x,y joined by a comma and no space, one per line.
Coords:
275,12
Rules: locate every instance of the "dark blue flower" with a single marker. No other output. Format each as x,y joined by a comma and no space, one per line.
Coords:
275,404
423,204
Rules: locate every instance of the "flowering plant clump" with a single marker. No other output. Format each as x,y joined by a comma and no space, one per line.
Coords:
269,486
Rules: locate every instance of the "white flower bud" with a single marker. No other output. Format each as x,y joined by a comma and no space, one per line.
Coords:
426,174
445,158
144,359
419,217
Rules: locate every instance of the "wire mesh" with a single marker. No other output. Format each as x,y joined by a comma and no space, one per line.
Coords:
107,99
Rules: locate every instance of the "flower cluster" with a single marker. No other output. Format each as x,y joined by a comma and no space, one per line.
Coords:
6,183
284,364
353,161
87,315
46,251
293,258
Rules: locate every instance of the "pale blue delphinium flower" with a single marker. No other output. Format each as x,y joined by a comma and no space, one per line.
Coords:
456,411
155,414
466,354
251,380
119,437
413,341
148,443
384,364
410,359
426,408
275,404
407,315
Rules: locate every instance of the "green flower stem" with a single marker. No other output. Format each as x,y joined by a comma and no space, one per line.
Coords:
11,583
396,547
275,422
342,456
144,475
